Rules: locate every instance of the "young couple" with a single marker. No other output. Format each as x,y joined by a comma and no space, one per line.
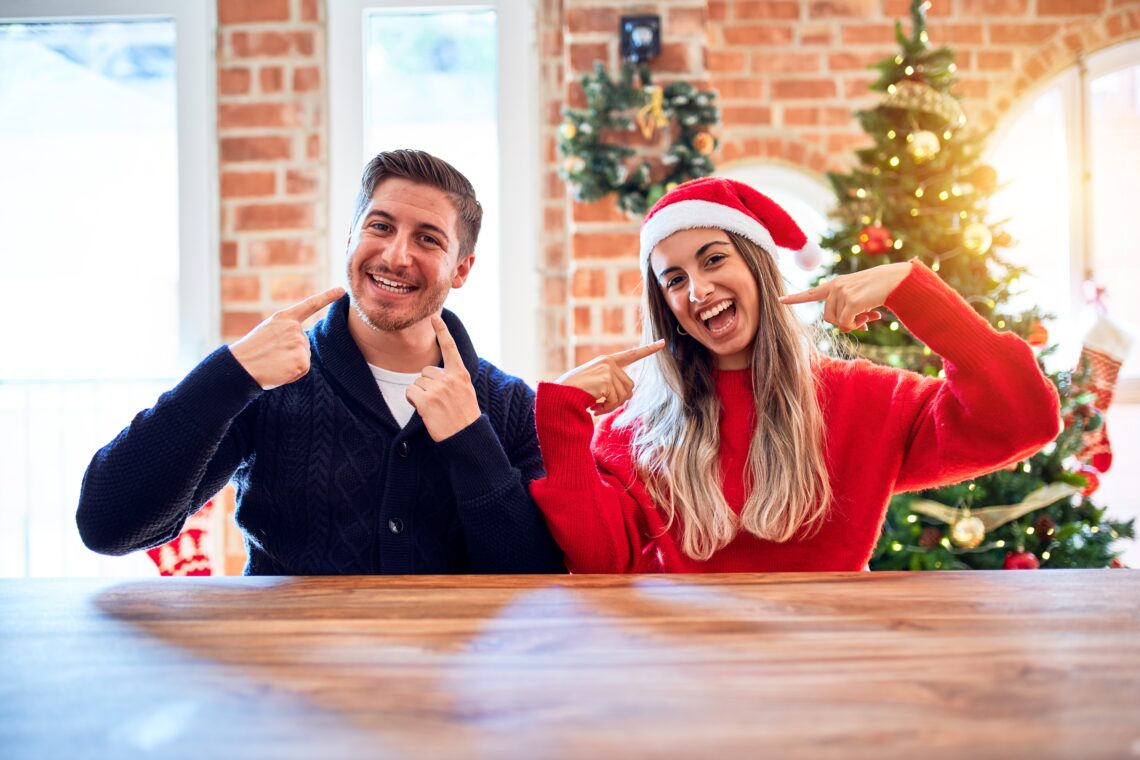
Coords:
378,441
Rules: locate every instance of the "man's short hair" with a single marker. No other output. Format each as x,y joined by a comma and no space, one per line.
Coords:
425,169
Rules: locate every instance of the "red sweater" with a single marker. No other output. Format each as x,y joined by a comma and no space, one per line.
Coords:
888,431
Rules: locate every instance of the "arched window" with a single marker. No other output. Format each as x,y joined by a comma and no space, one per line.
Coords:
1071,161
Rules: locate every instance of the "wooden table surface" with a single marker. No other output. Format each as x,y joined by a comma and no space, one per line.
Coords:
1002,664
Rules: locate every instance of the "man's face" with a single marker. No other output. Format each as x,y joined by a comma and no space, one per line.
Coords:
403,255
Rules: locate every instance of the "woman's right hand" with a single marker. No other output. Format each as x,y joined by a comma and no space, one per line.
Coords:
605,379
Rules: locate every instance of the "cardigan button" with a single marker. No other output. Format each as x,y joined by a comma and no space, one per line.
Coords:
402,449
396,525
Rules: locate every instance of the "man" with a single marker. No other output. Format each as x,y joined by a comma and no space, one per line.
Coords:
378,442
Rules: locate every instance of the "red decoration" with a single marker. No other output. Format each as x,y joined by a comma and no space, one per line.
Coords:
1117,563
186,554
1021,560
1038,335
1092,479
875,239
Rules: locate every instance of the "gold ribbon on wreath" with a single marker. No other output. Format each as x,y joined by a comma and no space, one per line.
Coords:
652,116
991,518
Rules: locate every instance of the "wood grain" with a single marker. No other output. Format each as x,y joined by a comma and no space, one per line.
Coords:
1004,664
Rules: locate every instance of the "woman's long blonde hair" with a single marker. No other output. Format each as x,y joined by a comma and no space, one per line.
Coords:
674,415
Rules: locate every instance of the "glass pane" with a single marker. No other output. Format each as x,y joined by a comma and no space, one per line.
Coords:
1115,140
88,198
431,82
1032,154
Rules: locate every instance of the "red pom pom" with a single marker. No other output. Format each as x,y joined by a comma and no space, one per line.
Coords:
1038,336
1021,560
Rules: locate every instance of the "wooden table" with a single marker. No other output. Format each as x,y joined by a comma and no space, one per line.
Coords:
1004,664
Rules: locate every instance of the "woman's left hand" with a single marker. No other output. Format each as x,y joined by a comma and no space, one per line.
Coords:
850,301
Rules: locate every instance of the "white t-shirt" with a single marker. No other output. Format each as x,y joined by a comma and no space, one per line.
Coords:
392,387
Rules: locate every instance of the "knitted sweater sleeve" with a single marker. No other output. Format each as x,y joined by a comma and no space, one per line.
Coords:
994,405
140,488
595,509
503,529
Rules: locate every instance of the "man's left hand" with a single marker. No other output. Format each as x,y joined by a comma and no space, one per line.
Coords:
445,398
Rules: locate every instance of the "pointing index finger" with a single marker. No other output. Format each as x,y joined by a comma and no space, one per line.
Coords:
631,355
818,293
447,347
311,305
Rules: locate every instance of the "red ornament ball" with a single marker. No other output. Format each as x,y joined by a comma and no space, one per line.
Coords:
1092,479
1021,560
1116,563
875,239
1038,336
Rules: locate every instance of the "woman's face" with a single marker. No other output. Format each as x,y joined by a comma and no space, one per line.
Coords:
711,291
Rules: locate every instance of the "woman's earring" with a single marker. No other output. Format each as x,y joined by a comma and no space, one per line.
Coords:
680,330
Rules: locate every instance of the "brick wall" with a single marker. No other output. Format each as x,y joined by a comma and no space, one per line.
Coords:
789,74
273,168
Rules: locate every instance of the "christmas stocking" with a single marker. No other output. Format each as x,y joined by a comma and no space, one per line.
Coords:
186,554
1105,347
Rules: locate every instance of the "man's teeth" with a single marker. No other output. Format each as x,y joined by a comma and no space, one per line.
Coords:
708,314
390,285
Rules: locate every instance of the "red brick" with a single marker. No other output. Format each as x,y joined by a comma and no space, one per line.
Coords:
233,81
718,10
274,216
311,10
991,8
588,283
995,60
721,60
583,56
857,87
272,44
739,89
228,254
675,57
592,20
244,115
1021,34
901,9
849,61
751,10
971,88
815,34
238,288
302,181
583,320
788,89
604,210
314,147
604,245
843,9
1070,7
844,143
682,22
786,63
235,324
629,282
553,220
855,34
737,116
801,117
554,362
246,184
291,288
306,78
613,320
271,79
758,35
279,252
252,11
957,34
585,353
255,148
554,256
554,291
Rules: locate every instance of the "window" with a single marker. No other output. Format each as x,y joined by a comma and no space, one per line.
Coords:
458,79
1071,159
105,247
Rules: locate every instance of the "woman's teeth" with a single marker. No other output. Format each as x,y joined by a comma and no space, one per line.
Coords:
390,285
708,314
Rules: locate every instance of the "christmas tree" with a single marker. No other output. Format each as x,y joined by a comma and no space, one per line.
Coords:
921,191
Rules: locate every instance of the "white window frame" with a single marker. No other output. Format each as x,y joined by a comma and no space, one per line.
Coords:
519,186
1073,84
195,23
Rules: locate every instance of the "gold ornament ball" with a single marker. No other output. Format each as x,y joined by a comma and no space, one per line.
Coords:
923,145
967,532
568,130
574,164
704,143
977,237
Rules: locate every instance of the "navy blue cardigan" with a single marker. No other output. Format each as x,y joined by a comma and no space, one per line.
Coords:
327,481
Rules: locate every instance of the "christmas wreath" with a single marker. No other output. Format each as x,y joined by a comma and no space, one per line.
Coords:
595,168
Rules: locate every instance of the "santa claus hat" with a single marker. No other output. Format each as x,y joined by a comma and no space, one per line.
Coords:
732,206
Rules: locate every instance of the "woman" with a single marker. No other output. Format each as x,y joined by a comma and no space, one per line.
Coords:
743,449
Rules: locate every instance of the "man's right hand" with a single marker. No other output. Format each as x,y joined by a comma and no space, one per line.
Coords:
276,352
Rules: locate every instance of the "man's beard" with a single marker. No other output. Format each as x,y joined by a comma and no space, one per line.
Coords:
429,301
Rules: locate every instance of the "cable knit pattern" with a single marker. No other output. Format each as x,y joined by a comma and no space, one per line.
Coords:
327,481
887,431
